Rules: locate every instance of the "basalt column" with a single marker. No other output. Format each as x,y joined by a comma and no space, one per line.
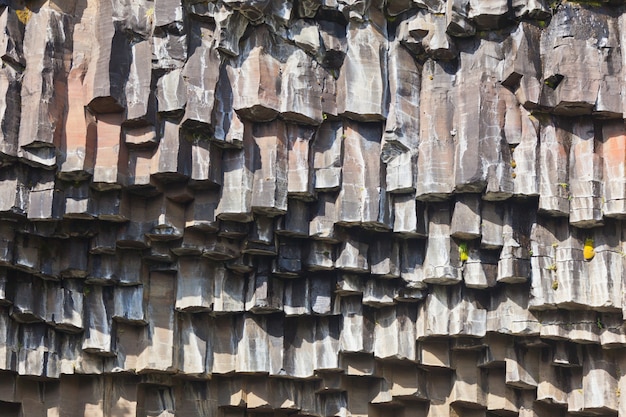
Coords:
312,208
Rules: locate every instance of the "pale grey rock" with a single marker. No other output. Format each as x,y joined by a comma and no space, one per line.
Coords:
585,177
327,150
158,354
384,257
436,148
230,27
362,199
301,88
352,255
236,197
521,70
321,256
553,170
206,165
508,312
442,260
167,12
171,94
200,77
305,34
362,88
458,19
522,369
466,218
129,305
584,85
300,176
97,322
412,268
394,333
270,172
9,97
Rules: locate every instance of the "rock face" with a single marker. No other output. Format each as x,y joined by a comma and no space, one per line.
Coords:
312,208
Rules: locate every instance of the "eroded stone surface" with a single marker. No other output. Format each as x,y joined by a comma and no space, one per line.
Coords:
312,208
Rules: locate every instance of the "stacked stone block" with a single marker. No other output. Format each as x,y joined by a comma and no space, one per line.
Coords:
312,208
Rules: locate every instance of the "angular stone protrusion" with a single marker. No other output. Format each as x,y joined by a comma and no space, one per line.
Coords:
289,262
469,381
384,257
264,293
206,165
451,310
509,314
230,27
490,15
129,305
394,333
296,222
64,305
260,348
362,83
600,381
104,83
98,338
466,219
575,87
358,326
442,261
311,345
200,75
194,284
522,369
300,179
613,151
585,176
514,265
172,160
270,168
525,157
521,71
412,254
323,218
402,126
200,213
43,106
111,155
236,197
327,150
160,332
170,92
458,19
352,255
481,114
362,200
302,80
321,256
435,159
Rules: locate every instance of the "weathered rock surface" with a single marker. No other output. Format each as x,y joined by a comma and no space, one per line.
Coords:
312,208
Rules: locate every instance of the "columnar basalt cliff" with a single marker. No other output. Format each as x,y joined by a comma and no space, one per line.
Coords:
312,208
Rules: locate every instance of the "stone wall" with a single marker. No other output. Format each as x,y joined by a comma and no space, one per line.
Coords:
312,208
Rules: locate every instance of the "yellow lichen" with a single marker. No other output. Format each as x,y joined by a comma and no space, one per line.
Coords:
463,252
588,250
24,15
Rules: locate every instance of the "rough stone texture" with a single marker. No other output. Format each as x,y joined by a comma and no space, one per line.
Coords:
312,208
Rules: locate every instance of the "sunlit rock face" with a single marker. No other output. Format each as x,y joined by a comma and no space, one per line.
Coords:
312,208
